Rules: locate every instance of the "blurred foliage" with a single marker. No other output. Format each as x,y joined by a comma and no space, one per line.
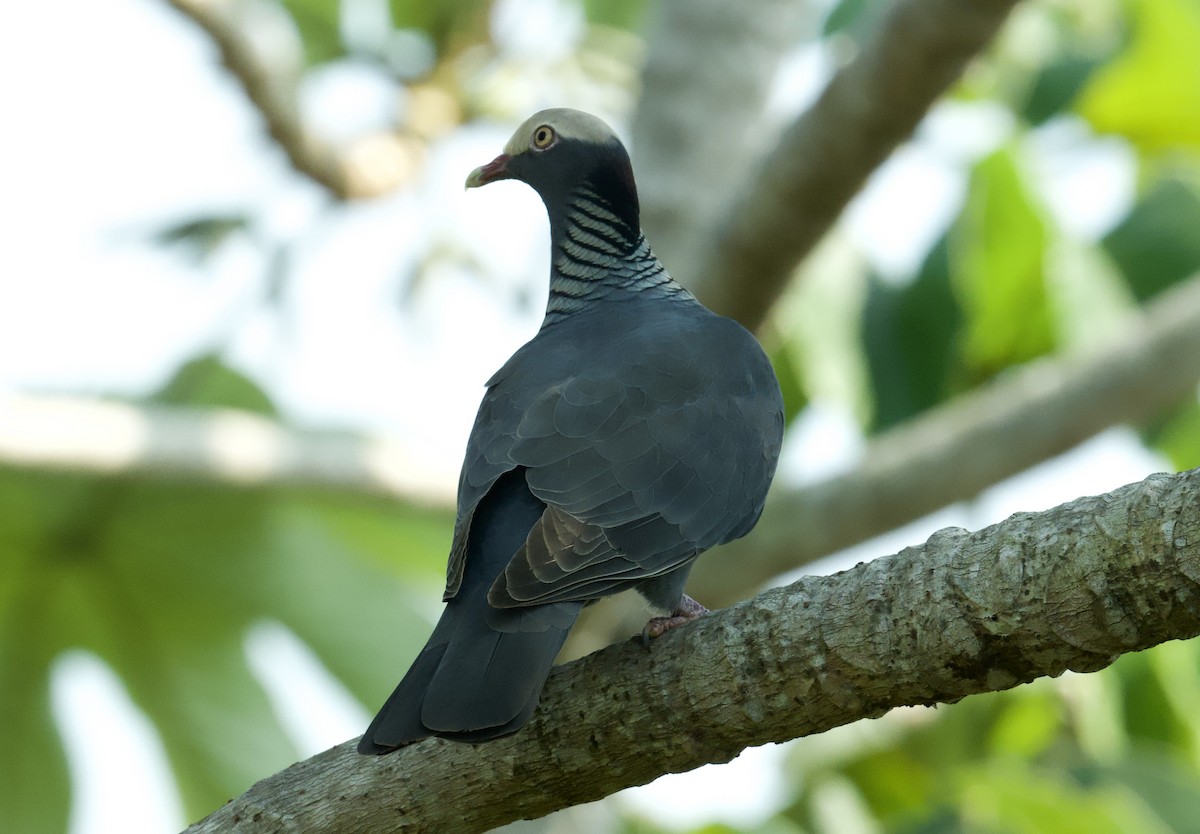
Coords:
199,237
442,22
997,263
1156,244
162,581
909,335
318,23
853,18
621,14
1178,437
1149,93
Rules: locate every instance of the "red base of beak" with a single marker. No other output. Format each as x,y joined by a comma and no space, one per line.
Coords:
497,169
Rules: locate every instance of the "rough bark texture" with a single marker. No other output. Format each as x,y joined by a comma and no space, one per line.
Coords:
1038,594
872,104
688,162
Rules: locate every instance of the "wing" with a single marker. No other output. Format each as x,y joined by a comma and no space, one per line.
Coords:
653,448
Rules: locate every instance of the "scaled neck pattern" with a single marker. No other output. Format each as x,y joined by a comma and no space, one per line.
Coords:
600,254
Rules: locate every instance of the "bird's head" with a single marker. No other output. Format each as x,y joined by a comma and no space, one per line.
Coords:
555,151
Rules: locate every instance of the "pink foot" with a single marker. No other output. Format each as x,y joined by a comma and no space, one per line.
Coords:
687,610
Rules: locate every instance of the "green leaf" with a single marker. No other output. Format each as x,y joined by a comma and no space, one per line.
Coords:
1010,796
1176,667
853,17
445,21
1089,295
1151,92
206,381
1147,709
200,236
217,726
319,25
366,624
34,786
411,542
1172,790
621,14
1158,243
997,247
162,582
894,784
791,381
1057,85
1178,437
909,337
1029,725
178,578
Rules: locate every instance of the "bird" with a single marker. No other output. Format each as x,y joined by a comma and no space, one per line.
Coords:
634,431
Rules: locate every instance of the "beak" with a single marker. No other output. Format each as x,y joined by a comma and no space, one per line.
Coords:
497,169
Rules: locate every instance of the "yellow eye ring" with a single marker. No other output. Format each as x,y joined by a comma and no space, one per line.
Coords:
543,137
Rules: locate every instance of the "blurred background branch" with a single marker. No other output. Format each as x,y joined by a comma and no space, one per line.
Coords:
917,50
688,162
261,49
221,447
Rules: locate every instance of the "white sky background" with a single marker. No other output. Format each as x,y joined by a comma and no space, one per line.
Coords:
120,122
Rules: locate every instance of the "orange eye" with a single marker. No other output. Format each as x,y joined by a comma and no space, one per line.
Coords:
543,137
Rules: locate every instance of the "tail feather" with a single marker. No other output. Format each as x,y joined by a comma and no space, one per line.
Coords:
488,677
482,671
398,722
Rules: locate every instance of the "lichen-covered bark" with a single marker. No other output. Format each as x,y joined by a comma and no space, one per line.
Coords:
1070,588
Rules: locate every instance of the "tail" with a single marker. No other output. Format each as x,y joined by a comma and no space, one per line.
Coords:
482,671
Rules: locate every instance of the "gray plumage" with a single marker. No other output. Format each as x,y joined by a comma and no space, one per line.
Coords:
636,430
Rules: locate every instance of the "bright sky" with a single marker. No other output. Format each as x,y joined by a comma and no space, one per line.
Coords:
121,119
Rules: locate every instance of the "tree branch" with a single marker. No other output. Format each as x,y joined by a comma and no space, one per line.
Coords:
266,59
688,161
918,50
219,446
975,440
1071,588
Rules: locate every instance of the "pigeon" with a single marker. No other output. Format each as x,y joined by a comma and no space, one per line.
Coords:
634,431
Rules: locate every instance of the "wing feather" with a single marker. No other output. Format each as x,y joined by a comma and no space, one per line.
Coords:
646,448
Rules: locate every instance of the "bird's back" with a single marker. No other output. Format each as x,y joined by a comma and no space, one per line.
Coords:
657,421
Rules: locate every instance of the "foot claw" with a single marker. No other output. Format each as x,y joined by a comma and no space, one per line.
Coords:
687,610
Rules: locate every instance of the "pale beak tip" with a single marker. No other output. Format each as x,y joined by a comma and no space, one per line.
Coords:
474,179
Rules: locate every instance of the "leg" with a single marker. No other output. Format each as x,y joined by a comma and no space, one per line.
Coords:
686,611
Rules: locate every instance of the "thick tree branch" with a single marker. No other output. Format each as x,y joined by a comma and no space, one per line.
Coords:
918,50
219,446
267,59
975,440
1071,588
687,160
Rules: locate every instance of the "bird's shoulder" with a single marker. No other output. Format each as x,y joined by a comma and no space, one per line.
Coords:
680,339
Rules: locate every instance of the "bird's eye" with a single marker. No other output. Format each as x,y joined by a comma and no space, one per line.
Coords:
543,137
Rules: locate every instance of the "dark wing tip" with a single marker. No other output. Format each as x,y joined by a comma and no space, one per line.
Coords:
368,747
